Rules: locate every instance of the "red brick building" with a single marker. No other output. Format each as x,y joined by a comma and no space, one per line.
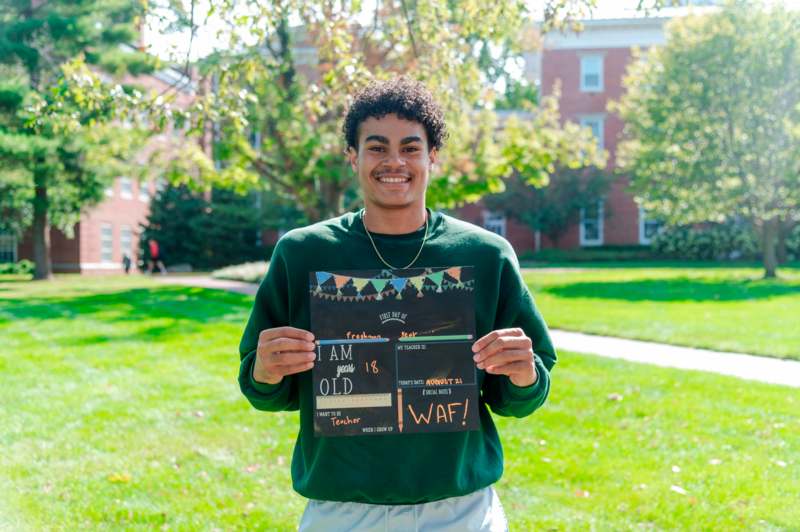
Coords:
590,66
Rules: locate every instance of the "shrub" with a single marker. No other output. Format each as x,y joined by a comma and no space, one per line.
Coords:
793,243
204,234
707,242
23,267
249,272
593,254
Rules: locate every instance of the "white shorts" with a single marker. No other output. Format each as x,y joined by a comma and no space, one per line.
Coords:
477,511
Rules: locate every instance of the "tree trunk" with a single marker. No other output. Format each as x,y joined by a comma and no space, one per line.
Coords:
41,235
769,237
784,226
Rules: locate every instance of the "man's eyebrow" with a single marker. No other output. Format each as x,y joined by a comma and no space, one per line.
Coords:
384,140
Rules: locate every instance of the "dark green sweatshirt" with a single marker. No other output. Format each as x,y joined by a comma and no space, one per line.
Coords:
396,468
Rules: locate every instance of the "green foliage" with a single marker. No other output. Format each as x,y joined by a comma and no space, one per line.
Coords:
279,113
519,94
730,241
249,272
793,243
712,120
206,234
22,267
605,254
553,207
64,133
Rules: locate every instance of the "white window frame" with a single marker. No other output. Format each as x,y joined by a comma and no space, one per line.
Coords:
643,239
8,247
494,222
126,244
106,229
586,61
109,191
600,120
584,241
125,188
144,191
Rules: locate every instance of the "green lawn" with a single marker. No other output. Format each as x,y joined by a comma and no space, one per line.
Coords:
119,409
729,309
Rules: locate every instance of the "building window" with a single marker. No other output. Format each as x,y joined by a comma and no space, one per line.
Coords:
8,248
106,243
126,241
597,124
144,191
496,223
125,187
592,73
648,227
110,190
591,226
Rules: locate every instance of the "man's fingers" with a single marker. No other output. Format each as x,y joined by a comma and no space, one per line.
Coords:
494,335
296,368
510,369
505,357
286,344
285,332
503,343
288,358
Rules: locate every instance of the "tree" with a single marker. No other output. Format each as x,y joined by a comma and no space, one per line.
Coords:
59,151
278,114
206,233
551,208
712,121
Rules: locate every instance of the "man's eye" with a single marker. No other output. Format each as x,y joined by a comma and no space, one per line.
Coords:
376,148
412,148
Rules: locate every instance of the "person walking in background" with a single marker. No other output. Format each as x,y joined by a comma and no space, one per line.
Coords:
155,257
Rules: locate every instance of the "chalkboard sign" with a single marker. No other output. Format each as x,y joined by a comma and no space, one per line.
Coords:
394,351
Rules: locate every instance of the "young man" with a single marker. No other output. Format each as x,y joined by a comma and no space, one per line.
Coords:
433,481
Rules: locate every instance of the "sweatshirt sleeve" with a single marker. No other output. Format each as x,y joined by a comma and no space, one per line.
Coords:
271,309
517,309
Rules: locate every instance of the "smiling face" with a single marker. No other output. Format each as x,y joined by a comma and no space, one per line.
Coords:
392,163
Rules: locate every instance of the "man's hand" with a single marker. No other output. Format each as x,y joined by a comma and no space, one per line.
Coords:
507,352
283,351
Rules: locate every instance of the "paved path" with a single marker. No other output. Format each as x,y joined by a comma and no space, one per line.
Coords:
207,282
752,367
764,369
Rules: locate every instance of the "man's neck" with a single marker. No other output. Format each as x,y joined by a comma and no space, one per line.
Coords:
394,221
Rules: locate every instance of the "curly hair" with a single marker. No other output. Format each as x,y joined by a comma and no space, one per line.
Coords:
405,97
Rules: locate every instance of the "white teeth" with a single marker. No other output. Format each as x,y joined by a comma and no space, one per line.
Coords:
393,179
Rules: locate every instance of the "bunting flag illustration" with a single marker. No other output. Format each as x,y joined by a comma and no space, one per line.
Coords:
388,285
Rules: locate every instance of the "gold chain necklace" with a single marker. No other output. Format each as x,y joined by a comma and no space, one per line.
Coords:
378,253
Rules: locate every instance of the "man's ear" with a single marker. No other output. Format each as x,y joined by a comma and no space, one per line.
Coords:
352,156
433,156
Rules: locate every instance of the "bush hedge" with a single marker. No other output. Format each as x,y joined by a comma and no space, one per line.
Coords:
249,272
23,267
707,242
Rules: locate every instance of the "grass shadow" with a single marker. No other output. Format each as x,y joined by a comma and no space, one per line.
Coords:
192,304
677,289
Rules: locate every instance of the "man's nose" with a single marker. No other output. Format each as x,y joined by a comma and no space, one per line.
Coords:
394,159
